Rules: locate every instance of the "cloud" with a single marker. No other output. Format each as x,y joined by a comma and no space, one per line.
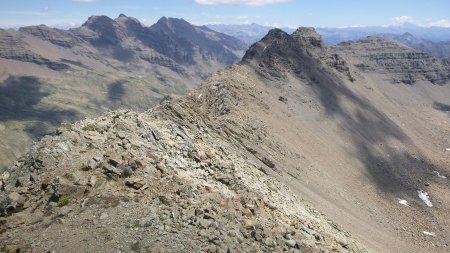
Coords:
441,23
244,2
401,20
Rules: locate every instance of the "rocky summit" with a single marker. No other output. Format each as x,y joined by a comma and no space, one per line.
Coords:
245,162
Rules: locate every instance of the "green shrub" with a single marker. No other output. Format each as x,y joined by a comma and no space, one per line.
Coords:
63,200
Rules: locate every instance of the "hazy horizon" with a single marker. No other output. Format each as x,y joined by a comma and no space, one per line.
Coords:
278,13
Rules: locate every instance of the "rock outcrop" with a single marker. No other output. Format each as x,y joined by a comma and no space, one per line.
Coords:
403,64
440,50
308,37
55,36
12,47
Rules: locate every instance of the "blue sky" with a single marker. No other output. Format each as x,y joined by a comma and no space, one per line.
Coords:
318,13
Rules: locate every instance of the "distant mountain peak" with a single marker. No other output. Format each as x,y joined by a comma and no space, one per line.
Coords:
408,34
94,21
278,44
130,22
164,21
275,33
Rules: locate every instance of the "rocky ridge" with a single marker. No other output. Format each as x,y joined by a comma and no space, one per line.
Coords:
163,181
279,54
13,47
55,36
401,63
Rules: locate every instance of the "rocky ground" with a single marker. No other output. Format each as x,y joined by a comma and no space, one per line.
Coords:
161,181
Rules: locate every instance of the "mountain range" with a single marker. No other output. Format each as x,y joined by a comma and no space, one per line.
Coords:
249,33
298,147
49,75
432,40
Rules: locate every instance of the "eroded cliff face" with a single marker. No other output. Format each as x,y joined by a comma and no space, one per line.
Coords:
402,64
12,47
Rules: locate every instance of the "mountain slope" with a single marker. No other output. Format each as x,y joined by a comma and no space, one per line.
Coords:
354,147
404,64
104,64
437,49
294,119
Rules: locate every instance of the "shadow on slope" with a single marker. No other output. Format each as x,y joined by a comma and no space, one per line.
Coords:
116,92
393,169
372,133
19,99
441,107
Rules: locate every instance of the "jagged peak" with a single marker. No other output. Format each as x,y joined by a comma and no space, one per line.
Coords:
308,36
102,19
304,30
172,24
171,21
162,19
278,41
134,22
273,35
123,17
408,34
275,38
276,33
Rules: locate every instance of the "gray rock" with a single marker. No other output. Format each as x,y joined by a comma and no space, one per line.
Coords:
291,243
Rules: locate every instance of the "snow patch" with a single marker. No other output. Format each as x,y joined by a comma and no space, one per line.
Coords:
429,233
439,175
425,198
448,149
403,202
